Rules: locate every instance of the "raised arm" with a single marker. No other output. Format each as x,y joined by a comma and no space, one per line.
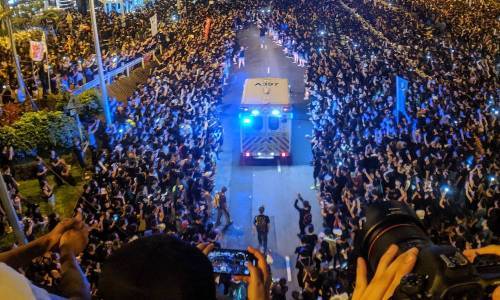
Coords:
296,204
24,254
74,284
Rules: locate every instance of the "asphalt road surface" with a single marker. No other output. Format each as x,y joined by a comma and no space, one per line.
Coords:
273,186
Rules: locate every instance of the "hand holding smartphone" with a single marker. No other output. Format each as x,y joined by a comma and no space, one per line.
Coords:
231,261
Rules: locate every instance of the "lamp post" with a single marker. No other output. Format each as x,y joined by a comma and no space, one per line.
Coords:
19,74
102,81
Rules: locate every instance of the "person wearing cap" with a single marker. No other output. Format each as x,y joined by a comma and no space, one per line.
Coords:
261,225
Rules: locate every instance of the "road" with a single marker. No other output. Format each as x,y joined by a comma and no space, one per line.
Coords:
273,186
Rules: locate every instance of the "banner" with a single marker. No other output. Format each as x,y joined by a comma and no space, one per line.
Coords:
36,50
207,27
154,25
401,89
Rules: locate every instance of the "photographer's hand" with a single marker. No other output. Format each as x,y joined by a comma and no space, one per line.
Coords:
387,277
259,281
472,253
74,284
492,250
24,254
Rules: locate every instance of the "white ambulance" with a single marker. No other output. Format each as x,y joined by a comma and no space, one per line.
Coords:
266,121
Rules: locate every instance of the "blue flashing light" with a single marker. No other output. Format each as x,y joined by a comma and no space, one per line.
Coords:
322,32
275,112
255,112
247,121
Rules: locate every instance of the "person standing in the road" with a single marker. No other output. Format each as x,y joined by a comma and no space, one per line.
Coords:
220,202
261,223
305,216
241,57
262,36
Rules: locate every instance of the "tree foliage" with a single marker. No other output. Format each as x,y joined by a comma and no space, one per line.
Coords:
38,132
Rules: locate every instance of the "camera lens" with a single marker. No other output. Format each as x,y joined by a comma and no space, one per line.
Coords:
387,223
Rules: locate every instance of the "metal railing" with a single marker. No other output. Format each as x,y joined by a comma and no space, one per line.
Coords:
108,76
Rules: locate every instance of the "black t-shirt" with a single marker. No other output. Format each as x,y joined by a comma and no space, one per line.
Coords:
40,167
261,222
262,31
310,239
222,199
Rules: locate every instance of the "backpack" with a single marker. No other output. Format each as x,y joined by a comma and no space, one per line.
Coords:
216,200
307,218
260,223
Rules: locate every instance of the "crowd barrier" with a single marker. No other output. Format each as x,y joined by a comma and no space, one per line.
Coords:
109,76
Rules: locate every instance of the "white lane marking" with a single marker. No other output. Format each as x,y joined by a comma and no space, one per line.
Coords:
268,70
279,166
288,269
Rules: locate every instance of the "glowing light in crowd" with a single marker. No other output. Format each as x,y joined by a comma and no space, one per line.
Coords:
446,189
275,112
321,32
255,112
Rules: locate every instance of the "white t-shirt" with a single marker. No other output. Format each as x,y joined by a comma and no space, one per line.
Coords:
15,286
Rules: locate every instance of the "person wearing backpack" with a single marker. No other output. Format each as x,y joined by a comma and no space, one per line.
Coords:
261,224
305,216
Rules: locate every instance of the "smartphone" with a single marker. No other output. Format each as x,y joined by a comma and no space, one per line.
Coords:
230,261
116,217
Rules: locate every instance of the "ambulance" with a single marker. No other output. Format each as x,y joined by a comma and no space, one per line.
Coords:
266,121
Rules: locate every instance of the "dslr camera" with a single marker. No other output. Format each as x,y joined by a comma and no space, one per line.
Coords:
441,271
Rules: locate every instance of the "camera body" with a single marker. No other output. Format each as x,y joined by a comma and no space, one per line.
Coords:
441,272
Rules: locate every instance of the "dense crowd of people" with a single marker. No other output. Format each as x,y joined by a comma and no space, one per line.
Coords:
439,158
153,168
71,60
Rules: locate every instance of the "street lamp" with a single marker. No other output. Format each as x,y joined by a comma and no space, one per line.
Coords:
102,81
22,88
